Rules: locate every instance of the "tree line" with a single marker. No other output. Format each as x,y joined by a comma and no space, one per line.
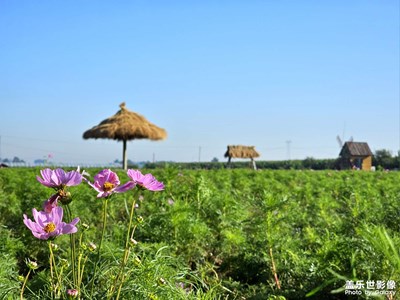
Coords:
381,160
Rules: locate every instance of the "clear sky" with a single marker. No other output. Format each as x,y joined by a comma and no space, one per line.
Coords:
212,73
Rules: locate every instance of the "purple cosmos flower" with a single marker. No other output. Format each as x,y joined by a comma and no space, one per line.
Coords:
59,178
83,173
48,225
51,203
106,182
72,293
147,181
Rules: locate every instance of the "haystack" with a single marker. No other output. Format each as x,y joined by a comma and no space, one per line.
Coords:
124,126
240,151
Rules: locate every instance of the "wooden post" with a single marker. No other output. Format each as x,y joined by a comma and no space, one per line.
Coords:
254,164
124,158
228,165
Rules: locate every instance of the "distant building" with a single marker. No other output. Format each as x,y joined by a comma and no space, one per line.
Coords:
355,155
39,161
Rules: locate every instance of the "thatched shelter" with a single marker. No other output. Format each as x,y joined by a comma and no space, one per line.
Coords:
240,151
125,125
355,155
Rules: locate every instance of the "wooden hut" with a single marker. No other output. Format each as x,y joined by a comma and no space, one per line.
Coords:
355,155
239,151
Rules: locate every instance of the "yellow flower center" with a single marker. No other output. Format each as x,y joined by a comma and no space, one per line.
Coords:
108,186
50,227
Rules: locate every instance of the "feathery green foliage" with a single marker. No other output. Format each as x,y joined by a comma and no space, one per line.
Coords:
210,234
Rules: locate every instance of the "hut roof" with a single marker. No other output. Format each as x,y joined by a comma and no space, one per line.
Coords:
126,125
356,149
240,151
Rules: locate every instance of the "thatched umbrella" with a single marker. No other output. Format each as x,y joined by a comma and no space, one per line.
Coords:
125,125
240,151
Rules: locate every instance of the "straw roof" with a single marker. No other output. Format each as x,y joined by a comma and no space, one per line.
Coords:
356,149
126,125
240,151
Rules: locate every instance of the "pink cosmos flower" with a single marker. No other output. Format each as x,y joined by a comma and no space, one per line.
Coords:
59,178
72,293
51,203
48,225
106,182
147,181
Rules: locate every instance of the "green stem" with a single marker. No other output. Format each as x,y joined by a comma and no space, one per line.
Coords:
129,236
100,243
79,271
53,270
73,249
24,284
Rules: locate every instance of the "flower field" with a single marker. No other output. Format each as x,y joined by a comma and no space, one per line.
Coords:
198,234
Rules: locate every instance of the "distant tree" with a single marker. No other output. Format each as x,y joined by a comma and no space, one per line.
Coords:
383,158
309,163
17,160
214,160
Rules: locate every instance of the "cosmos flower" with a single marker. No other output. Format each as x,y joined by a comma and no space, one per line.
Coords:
49,225
72,293
50,203
58,178
147,181
106,182
83,173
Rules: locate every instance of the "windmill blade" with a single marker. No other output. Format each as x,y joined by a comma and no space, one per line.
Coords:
339,140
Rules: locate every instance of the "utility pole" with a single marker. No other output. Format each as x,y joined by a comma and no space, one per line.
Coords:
199,153
288,148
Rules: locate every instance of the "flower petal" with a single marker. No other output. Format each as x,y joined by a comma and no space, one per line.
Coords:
125,187
136,176
57,215
73,178
69,228
46,174
32,226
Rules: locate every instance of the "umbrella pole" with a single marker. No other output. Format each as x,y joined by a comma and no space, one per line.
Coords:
124,158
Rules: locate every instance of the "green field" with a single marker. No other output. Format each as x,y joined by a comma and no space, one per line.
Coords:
218,234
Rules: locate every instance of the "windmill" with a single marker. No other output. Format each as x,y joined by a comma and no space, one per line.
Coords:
340,142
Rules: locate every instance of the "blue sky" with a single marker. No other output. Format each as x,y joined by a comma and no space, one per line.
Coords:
212,73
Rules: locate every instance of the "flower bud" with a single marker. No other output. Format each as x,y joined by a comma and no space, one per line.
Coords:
72,293
31,264
20,278
65,197
137,261
64,263
54,247
140,219
161,281
85,226
153,297
92,246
